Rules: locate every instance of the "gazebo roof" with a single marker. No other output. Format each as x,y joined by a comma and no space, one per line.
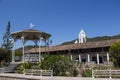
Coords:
30,34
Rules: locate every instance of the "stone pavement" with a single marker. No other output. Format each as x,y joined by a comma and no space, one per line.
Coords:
11,76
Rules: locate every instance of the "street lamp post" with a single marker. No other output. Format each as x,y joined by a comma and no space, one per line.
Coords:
48,44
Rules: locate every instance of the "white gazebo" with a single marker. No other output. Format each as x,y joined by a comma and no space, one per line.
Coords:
29,34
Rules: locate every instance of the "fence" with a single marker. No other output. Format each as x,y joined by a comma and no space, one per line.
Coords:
36,72
106,73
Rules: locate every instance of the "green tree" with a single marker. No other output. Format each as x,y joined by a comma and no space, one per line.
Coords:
115,53
3,54
7,41
26,65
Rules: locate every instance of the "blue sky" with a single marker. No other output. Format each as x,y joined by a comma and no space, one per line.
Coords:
63,19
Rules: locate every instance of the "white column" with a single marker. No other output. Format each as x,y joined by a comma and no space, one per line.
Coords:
88,58
23,42
13,51
23,52
39,50
97,58
71,57
107,57
79,58
40,39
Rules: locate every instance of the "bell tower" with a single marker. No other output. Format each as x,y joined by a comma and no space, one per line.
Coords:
82,36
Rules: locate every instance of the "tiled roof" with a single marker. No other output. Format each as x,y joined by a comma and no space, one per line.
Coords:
31,34
105,43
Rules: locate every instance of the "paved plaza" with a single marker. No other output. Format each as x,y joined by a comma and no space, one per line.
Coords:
11,76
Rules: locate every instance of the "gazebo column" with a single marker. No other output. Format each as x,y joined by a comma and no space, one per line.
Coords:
40,39
13,51
97,58
23,42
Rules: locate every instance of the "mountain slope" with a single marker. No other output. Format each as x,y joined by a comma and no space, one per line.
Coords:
99,38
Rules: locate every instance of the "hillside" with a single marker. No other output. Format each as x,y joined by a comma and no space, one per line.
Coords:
26,47
99,38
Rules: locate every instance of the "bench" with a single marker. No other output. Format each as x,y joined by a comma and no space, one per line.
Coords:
106,73
36,72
